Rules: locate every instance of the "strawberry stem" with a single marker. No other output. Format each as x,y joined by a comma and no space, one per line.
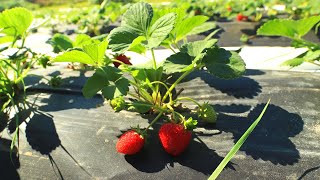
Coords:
153,59
188,99
154,121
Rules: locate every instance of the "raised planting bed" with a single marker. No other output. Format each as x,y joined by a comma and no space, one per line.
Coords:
231,32
71,137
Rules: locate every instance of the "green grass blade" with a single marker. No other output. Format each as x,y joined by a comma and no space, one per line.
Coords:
237,146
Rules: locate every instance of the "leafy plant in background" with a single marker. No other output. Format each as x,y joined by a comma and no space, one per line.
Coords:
14,27
295,30
302,9
97,18
251,10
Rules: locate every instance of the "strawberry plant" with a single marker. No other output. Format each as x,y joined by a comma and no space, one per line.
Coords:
295,30
149,88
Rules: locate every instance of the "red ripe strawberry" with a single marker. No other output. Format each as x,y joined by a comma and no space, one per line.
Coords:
130,143
123,58
174,138
229,8
241,17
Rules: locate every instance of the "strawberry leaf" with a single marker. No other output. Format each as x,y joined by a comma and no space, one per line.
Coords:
293,62
312,55
138,18
96,51
75,56
179,62
120,87
83,39
197,47
160,30
94,84
60,43
15,22
207,26
224,64
136,28
187,25
288,28
109,80
120,39
92,54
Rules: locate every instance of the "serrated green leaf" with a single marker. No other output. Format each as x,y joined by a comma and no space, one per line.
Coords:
187,25
83,39
120,39
288,28
60,43
312,55
94,84
109,80
224,64
160,30
112,73
138,18
207,26
96,51
179,62
293,62
15,21
138,45
119,88
197,47
75,56
6,39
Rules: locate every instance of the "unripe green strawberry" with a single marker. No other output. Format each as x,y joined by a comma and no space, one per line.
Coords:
130,143
174,138
118,103
207,113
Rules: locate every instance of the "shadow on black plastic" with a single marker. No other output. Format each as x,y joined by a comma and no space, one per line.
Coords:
58,102
243,87
8,166
270,139
42,136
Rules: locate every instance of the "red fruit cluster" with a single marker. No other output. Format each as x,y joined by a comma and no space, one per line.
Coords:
173,137
241,17
123,58
130,143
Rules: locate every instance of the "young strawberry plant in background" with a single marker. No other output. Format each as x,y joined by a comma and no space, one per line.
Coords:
295,30
15,62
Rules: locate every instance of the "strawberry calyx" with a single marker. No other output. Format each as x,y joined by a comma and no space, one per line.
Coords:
141,132
190,124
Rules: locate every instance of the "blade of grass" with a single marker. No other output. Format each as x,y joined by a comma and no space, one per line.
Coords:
237,146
